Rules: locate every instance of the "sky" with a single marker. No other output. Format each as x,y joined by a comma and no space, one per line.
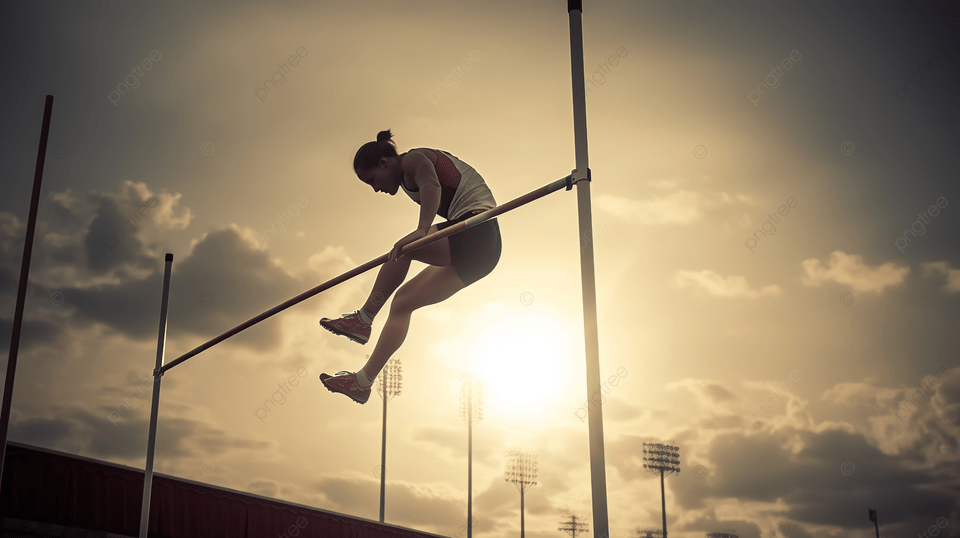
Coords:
774,201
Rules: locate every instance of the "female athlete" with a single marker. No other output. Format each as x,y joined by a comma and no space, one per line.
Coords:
442,185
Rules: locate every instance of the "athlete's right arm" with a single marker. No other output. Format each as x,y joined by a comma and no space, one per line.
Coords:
425,175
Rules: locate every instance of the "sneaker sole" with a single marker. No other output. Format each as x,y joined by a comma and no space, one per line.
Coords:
356,339
325,377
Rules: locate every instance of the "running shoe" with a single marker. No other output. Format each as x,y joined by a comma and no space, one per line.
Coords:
345,382
348,325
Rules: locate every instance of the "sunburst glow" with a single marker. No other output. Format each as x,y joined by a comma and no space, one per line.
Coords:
522,364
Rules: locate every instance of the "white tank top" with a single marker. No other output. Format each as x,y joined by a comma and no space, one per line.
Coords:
462,189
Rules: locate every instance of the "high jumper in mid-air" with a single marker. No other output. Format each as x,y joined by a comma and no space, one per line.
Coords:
442,185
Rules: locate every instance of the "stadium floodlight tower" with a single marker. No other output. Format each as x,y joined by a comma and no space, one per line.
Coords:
471,410
522,471
662,458
573,524
389,383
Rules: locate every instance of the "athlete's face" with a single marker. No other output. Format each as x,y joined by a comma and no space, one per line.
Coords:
385,177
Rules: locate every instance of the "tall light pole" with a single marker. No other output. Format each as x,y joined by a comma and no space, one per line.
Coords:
522,471
389,383
471,410
22,288
662,458
875,519
573,524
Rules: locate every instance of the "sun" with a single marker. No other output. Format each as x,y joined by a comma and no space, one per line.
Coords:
524,363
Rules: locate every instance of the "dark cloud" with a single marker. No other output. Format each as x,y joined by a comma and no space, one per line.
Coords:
718,393
267,488
55,433
409,505
34,333
113,436
222,283
830,479
625,453
499,500
619,410
12,234
710,523
111,242
721,422
9,279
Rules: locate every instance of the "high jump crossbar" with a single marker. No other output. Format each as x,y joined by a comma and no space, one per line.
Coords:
158,372
446,232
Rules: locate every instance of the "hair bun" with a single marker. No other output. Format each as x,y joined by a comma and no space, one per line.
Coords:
384,136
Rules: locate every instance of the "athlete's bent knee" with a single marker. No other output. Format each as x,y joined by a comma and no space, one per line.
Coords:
401,303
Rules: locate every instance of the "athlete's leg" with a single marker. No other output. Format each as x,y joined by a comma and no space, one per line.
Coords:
431,286
393,272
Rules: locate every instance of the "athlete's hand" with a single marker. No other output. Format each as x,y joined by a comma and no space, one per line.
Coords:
406,240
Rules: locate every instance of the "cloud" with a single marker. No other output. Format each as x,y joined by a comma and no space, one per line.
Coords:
331,262
710,394
849,269
138,203
933,269
102,254
802,470
718,286
33,334
857,394
681,207
420,506
927,418
95,236
721,422
11,236
620,410
718,393
440,440
78,431
671,205
222,282
267,488
795,467
625,454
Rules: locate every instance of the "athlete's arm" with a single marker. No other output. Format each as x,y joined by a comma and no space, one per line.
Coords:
425,175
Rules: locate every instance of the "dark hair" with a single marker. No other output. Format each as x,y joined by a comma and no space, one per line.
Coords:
369,154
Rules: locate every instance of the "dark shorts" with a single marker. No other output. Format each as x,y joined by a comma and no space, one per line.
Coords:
475,251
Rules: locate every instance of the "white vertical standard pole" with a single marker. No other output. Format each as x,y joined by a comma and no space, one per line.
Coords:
581,176
155,407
